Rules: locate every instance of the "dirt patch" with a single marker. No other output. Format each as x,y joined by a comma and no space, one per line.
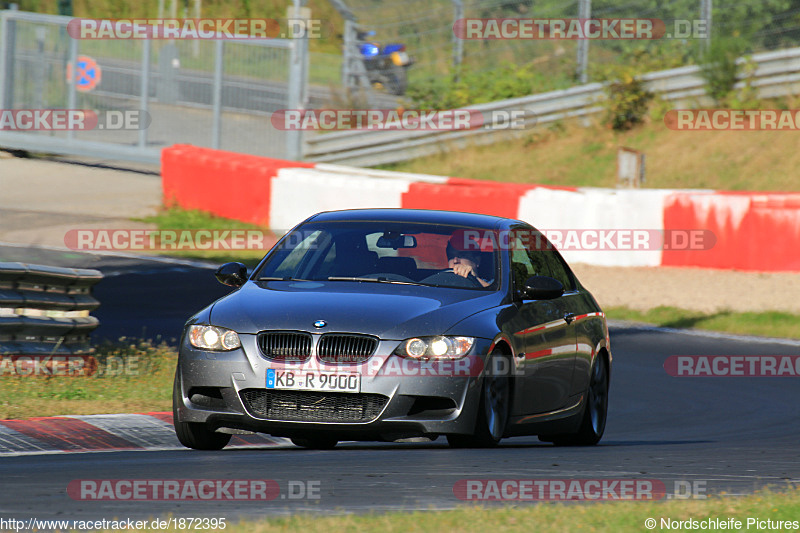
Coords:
696,289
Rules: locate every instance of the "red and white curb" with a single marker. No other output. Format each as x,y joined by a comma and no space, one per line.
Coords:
754,231
96,433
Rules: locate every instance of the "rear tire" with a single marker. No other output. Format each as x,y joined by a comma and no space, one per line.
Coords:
494,408
593,423
315,443
193,434
396,80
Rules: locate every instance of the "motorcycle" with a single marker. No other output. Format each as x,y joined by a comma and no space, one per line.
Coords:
385,65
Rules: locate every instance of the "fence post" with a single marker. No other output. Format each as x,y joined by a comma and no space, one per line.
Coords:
72,96
584,12
705,14
39,75
298,72
216,104
145,88
458,43
350,72
7,51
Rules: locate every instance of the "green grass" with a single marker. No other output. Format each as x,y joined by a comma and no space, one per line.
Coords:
568,154
181,219
133,376
767,323
548,517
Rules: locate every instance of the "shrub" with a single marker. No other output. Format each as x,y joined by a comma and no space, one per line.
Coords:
720,69
627,101
474,87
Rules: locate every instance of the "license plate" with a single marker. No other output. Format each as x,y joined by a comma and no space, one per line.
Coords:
313,381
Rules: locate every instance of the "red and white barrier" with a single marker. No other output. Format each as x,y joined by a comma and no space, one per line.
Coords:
225,184
753,231
298,193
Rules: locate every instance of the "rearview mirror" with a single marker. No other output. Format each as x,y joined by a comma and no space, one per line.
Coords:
542,288
396,240
232,274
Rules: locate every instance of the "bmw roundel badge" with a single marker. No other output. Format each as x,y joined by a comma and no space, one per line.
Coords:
320,324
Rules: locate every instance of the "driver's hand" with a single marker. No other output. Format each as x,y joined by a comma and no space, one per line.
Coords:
464,270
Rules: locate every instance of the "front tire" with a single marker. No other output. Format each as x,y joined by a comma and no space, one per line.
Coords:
593,423
193,434
495,406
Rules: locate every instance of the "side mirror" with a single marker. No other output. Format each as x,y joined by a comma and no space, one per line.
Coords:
542,288
232,274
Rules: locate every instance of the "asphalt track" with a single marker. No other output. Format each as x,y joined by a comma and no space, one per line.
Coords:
732,435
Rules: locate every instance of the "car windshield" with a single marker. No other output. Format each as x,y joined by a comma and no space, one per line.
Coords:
384,252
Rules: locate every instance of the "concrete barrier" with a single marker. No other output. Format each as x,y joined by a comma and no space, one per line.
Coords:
740,230
754,231
225,184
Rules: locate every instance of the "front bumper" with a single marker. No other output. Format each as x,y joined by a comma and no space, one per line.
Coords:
404,398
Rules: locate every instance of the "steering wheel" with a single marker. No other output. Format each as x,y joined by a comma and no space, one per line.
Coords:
448,278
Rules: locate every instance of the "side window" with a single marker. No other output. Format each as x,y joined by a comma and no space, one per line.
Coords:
558,270
521,266
534,245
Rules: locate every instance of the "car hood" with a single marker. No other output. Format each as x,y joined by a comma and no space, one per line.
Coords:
388,311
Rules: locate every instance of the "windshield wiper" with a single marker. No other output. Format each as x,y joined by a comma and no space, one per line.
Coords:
287,278
374,280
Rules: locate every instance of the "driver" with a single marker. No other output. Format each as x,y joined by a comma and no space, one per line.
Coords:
465,263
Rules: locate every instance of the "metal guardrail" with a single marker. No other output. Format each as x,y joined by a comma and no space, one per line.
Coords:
44,310
776,74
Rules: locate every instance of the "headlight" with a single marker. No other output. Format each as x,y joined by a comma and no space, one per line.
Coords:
213,338
435,347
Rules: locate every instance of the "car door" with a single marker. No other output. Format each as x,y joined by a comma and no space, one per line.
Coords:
570,308
545,367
